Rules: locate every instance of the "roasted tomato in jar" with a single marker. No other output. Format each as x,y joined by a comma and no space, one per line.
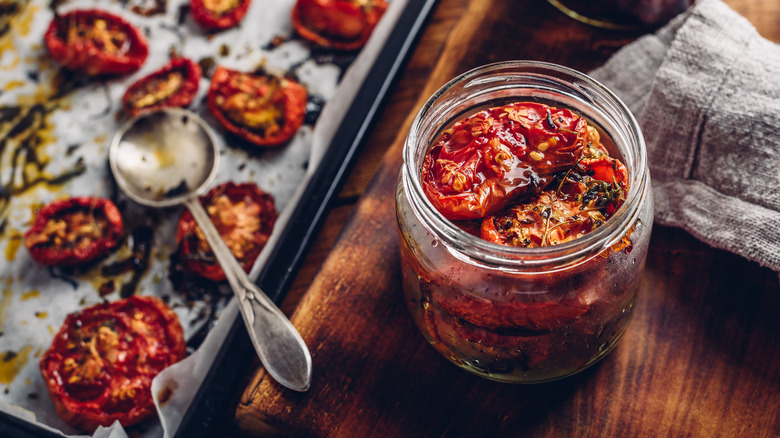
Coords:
607,185
580,201
263,109
101,363
175,85
488,160
73,231
244,216
95,42
337,24
218,14
545,220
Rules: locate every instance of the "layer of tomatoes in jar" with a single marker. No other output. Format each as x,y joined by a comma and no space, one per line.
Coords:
174,85
337,24
261,108
513,324
74,231
522,175
244,216
101,363
96,42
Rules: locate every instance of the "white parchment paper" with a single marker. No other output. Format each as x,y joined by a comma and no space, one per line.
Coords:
75,132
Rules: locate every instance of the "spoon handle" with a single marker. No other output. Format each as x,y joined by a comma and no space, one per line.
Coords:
278,344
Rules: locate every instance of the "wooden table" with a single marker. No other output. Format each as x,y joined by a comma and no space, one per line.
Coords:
701,358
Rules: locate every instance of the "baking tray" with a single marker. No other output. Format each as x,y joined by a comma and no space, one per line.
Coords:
224,377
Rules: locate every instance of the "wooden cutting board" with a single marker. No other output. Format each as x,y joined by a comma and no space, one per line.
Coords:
701,358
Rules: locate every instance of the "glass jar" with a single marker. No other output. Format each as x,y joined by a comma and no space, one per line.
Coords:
517,314
622,14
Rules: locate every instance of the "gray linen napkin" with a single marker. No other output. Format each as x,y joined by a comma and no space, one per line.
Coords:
706,91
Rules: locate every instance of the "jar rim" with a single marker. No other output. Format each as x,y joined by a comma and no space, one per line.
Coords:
461,243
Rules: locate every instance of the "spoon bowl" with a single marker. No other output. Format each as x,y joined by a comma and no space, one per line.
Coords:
160,159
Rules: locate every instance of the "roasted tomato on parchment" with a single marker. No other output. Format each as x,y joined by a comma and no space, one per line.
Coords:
244,216
174,85
487,161
73,231
101,363
218,14
263,109
337,24
608,183
95,42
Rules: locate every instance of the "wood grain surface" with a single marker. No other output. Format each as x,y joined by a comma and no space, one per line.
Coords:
701,358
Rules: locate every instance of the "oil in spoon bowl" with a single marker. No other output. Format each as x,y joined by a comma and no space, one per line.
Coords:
166,158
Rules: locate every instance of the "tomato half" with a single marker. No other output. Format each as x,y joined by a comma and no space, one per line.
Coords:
488,160
218,14
263,109
613,173
95,42
73,231
580,201
174,85
101,363
337,24
244,216
542,221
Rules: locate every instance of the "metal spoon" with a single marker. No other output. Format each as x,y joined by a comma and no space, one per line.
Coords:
166,158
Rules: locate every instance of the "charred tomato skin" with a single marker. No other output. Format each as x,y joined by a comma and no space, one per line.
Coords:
83,55
181,96
212,20
101,363
196,257
491,159
281,95
46,252
337,24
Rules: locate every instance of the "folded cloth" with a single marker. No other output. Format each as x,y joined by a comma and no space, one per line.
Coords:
705,90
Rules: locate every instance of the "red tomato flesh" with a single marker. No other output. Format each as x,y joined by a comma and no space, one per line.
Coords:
244,216
175,85
101,363
96,42
218,14
337,24
488,160
263,109
74,231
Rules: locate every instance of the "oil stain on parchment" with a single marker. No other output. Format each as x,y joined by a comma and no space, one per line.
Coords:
25,132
